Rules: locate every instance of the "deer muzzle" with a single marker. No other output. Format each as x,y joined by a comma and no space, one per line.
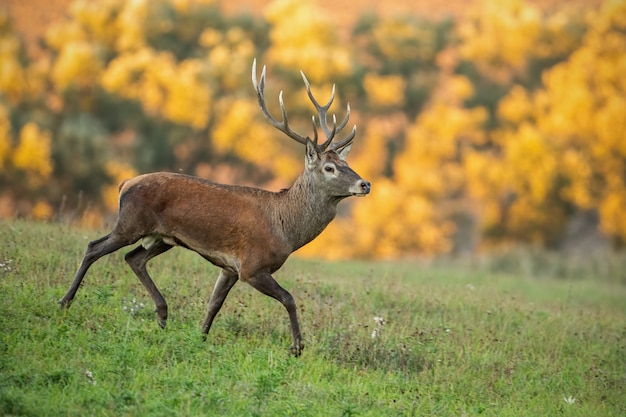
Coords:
361,188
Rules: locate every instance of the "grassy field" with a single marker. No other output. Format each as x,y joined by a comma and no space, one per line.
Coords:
457,340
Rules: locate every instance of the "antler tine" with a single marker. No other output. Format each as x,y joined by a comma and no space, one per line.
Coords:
329,135
322,112
338,146
314,130
259,87
344,122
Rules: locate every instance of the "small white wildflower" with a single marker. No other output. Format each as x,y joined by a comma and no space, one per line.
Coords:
379,324
90,377
569,400
6,265
470,287
132,306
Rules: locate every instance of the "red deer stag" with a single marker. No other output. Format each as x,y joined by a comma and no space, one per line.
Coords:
248,232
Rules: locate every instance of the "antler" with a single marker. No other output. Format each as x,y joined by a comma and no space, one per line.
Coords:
322,113
283,126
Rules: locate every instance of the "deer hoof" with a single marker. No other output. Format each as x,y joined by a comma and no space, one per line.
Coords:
162,323
296,350
63,303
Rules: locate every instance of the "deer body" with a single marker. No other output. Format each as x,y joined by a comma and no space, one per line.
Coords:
247,232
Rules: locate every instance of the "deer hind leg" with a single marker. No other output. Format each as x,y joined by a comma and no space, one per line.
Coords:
137,259
95,250
224,283
266,284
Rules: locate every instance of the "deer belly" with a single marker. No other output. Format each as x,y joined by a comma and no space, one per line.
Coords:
149,241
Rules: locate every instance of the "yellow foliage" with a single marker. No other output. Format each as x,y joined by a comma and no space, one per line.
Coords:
59,35
302,38
233,126
371,156
501,31
483,175
527,219
575,166
461,87
582,111
32,154
387,224
526,170
384,91
188,101
559,146
611,207
5,135
404,223
529,164
400,39
557,37
119,172
175,91
229,57
78,64
125,68
430,165
129,23
99,18
239,132
210,38
516,106
564,144
185,5
12,77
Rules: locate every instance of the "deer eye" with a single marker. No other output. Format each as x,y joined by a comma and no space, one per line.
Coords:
329,169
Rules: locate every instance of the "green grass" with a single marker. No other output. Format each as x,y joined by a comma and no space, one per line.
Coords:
459,339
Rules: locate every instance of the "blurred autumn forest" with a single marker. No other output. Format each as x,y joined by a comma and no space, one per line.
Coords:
500,124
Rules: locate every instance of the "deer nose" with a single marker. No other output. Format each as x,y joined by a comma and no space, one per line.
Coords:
365,186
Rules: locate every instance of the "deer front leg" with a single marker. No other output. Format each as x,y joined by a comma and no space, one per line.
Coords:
224,283
265,283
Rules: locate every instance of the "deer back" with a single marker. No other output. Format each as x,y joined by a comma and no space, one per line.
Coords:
224,223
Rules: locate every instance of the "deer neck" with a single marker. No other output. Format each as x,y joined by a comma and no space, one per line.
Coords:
306,211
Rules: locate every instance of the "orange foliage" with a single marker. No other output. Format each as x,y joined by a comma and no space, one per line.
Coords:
384,91
303,38
12,77
118,171
32,154
5,135
538,153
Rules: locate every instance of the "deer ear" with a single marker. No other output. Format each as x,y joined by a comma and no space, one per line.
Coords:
343,153
311,154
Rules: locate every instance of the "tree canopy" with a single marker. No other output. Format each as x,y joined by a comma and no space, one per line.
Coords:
499,127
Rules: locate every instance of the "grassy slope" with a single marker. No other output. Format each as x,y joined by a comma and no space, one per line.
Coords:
456,341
